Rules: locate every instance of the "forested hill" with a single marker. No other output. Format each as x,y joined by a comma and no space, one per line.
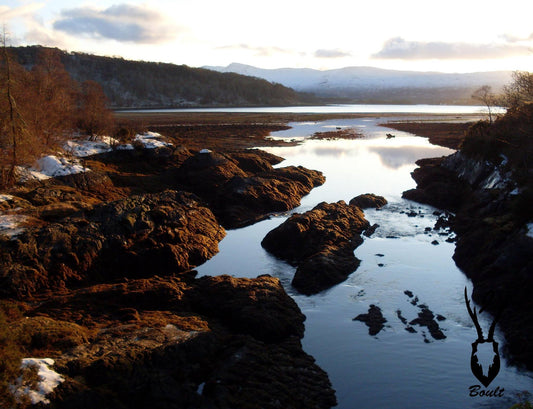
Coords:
140,84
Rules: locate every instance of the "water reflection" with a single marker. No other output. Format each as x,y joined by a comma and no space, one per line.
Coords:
394,157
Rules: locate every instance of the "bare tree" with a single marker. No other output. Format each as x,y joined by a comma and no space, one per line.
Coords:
488,98
12,125
94,116
519,91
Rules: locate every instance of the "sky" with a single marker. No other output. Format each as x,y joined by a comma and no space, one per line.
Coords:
450,36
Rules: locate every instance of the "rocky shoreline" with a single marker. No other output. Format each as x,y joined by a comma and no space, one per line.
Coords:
102,274
487,185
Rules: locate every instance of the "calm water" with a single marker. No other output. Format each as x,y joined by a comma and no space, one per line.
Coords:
342,108
395,368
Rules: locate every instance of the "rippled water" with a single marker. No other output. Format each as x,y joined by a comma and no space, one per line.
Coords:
395,368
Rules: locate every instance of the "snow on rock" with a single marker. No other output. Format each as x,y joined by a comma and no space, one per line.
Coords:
151,140
87,148
205,151
6,198
529,232
10,224
53,166
48,380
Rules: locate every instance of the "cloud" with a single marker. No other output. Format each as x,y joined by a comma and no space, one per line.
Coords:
8,13
122,22
336,53
398,48
260,51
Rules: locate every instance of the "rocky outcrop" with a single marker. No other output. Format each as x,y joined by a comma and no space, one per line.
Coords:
163,233
243,187
320,243
179,342
437,185
368,200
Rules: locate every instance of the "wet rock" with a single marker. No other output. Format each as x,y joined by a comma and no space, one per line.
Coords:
320,243
374,320
371,230
368,200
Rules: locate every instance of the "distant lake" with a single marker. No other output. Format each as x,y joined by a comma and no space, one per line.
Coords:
340,108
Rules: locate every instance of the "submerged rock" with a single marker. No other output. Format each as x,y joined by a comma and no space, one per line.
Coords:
320,243
374,320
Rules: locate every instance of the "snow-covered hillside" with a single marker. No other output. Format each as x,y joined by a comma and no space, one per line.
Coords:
368,78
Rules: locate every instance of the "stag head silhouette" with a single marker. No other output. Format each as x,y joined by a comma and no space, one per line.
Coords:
477,368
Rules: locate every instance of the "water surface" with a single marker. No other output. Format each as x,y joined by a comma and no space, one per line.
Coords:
395,368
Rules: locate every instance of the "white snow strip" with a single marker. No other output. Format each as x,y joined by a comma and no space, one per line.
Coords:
205,151
529,232
48,380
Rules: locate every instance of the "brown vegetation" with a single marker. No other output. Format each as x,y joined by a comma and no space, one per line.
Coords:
39,109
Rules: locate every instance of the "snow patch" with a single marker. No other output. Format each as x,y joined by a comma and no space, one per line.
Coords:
10,224
48,380
150,140
205,151
529,232
6,198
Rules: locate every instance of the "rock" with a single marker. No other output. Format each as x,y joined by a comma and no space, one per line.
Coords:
243,187
244,200
374,320
213,342
427,319
321,243
371,230
241,304
163,233
368,200
437,186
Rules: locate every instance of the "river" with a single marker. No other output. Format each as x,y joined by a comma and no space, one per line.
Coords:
394,368
339,108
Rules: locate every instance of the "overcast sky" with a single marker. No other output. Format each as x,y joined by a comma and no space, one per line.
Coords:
451,36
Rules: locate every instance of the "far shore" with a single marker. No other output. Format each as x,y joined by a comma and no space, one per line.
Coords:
248,129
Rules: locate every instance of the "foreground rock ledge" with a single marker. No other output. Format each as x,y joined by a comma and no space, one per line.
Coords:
320,243
180,342
135,237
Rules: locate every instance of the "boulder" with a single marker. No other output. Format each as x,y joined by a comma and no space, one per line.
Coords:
243,187
368,200
320,243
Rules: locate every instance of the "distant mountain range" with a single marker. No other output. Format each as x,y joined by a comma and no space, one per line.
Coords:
369,84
